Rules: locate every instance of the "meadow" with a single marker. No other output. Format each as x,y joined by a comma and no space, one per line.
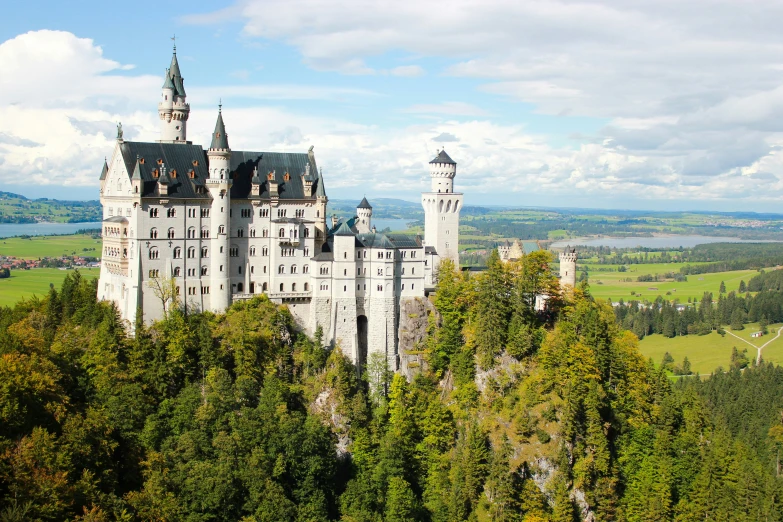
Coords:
614,285
35,247
707,353
24,284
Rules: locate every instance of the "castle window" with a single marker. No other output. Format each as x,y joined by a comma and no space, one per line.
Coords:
246,212
306,269
177,252
264,251
171,233
413,253
306,232
265,269
411,287
154,254
170,213
252,232
265,233
281,287
358,271
221,229
191,272
195,163
252,251
154,273
252,270
153,212
403,270
154,233
191,174
191,233
177,271
403,286
282,232
358,255
203,270
380,271
204,252
306,287
281,269
263,287
191,252
293,287
413,270
204,233
239,271
240,232
178,290
293,269
233,251
380,288
380,255
345,288
240,287
345,272
204,213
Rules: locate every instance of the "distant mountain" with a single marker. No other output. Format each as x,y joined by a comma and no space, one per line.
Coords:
15,208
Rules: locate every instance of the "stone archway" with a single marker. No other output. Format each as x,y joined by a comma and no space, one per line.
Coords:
361,332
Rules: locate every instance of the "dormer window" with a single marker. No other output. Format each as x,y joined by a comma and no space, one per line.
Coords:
160,161
195,163
192,174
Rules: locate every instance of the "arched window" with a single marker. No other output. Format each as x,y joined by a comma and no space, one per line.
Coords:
177,252
177,271
293,269
191,233
281,269
306,232
171,233
282,232
221,229
240,287
154,254
281,287
203,270
252,251
293,287
204,252
306,269
252,288
252,232
240,232
263,287
171,213
154,233
191,252
153,212
306,287
204,233
264,251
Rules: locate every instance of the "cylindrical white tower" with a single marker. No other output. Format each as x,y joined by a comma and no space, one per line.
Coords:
441,209
219,186
173,110
568,259
442,171
364,215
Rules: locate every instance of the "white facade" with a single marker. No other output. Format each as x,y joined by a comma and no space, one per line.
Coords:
223,225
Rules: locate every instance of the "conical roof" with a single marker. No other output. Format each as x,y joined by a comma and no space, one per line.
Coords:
442,157
320,190
167,83
137,171
219,138
105,170
176,75
365,204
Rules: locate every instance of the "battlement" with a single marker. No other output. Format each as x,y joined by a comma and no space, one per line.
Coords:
568,257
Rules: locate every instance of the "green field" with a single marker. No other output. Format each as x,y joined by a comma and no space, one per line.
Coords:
26,283
611,285
710,352
36,247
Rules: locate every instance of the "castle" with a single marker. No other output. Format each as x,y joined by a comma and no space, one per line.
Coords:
207,228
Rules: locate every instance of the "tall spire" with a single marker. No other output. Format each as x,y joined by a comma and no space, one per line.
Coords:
176,75
320,190
219,137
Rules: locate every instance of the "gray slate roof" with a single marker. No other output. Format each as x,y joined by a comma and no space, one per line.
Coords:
344,230
176,76
442,157
365,204
181,157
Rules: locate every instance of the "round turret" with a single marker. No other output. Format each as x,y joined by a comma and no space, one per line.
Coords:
364,215
568,259
173,110
442,172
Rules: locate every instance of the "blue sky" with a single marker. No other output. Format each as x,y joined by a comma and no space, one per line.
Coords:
676,105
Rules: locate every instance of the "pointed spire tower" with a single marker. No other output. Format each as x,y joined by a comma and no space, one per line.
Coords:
219,185
441,209
173,109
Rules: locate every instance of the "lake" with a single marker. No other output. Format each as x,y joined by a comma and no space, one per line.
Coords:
44,229
396,225
651,242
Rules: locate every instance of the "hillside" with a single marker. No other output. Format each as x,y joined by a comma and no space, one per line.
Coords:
513,416
15,208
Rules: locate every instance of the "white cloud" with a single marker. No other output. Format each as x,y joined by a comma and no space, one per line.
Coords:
449,108
407,70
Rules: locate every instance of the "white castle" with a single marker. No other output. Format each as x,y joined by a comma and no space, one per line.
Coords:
226,225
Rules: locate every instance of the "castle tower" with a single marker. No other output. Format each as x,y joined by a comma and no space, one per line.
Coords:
219,186
441,209
173,110
568,259
364,213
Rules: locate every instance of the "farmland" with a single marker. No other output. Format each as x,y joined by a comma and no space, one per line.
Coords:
24,284
35,247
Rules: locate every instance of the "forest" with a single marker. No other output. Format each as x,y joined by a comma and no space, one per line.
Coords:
516,416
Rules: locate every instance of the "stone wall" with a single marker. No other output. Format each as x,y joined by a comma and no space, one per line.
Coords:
414,317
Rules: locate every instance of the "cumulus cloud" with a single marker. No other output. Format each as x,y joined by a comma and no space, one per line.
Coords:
445,137
691,90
